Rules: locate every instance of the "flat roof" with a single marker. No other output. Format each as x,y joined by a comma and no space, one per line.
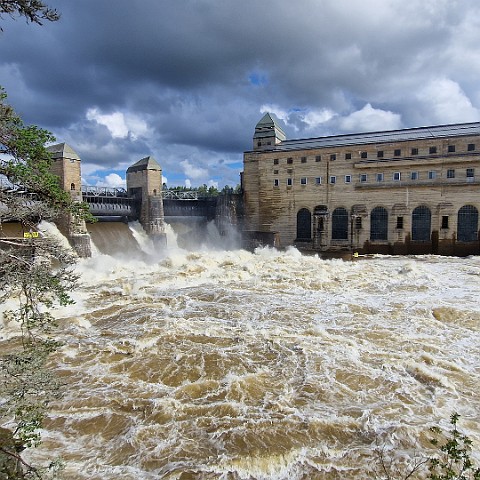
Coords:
433,132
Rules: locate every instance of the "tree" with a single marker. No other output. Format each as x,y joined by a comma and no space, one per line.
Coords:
35,11
452,460
36,274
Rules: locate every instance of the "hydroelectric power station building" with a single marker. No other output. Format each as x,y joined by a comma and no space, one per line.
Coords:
405,191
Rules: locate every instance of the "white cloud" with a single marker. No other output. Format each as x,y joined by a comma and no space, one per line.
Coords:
120,125
188,183
164,179
192,170
275,109
416,62
314,118
370,119
115,122
112,180
446,102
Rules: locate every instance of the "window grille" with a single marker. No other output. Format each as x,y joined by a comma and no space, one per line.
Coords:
340,224
304,224
421,224
467,226
379,224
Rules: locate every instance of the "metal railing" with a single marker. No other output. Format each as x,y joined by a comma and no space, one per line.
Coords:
117,192
180,195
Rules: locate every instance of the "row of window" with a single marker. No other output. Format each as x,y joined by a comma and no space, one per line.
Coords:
379,177
467,224
380,154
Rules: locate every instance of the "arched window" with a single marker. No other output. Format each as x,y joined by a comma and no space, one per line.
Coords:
467,227
304,224
154,191
340,224
421,224
72,186
379,224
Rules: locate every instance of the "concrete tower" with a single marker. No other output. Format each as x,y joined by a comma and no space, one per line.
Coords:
66,165
144,182
268,133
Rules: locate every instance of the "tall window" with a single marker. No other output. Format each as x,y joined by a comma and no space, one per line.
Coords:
379,224
421,224
467,227
304,224
340,224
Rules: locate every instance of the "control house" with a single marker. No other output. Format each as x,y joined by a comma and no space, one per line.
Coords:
409,191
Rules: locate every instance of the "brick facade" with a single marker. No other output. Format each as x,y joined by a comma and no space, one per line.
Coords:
405,191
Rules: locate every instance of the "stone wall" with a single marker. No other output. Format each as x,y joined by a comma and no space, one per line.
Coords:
442,174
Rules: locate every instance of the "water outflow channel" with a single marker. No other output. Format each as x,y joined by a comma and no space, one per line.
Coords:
216,364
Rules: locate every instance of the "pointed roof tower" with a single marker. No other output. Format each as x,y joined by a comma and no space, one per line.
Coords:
63,150
147,163
268,133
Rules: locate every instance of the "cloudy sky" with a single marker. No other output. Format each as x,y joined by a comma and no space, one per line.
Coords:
187,80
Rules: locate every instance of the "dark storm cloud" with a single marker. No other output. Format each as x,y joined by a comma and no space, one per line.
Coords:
187,80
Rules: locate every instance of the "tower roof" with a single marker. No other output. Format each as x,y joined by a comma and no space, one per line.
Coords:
268,126
268,120
147,163
63,150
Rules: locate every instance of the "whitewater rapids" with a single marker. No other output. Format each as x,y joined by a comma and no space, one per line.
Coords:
270,365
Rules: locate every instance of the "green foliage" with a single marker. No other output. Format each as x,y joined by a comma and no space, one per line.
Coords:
26,163
35,276
454,462
451,461
35,11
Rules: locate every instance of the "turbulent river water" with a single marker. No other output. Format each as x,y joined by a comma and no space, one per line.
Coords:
225,364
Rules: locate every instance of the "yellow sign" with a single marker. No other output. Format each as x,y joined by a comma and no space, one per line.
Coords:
30,234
